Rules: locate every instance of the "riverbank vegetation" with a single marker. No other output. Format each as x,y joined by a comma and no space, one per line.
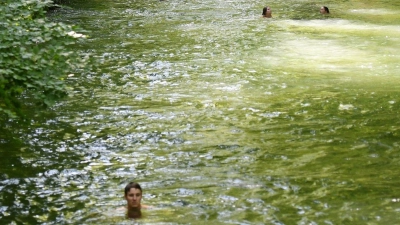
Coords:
35,58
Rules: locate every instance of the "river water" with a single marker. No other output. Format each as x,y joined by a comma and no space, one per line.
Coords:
222,116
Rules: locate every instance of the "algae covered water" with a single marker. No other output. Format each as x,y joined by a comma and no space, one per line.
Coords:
222,116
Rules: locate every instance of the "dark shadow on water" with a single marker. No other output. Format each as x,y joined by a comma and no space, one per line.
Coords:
31,167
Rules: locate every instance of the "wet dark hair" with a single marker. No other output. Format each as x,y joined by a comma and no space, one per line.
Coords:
132,185
326,9
265,10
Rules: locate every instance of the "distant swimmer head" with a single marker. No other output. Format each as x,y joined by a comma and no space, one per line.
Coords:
267,12
324,10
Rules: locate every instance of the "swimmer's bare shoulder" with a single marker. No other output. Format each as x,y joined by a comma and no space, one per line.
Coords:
146,206
141,207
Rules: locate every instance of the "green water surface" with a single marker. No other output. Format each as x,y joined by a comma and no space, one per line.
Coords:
222,116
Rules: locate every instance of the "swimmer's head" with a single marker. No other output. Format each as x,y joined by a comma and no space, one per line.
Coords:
324,10
133,196
132,185
267,12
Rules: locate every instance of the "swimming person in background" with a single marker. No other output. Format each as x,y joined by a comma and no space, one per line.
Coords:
324,10
267,13
133,197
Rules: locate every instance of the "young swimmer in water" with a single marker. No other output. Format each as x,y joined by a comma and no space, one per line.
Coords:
133,197
324,10
267,13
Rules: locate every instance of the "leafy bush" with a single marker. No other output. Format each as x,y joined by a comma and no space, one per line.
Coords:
34,56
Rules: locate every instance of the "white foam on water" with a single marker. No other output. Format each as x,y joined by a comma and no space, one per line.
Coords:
336,25
316,54
375,11
299,49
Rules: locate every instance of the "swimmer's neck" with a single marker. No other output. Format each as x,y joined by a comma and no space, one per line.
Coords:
134,208
134,212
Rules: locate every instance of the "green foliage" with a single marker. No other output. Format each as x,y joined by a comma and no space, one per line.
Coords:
61,1
34,56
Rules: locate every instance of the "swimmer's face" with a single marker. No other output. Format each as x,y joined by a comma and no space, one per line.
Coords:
133,198
268,12
322,10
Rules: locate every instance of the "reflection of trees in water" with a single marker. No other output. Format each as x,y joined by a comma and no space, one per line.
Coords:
40,173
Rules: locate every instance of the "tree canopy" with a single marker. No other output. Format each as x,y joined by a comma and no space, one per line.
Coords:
35,57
